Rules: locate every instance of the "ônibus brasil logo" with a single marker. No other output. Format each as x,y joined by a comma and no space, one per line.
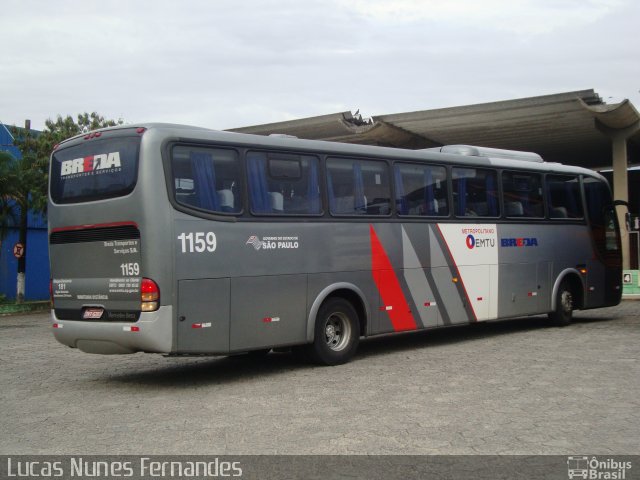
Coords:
91,163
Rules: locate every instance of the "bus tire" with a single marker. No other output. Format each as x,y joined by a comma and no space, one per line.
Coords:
563,312
336,334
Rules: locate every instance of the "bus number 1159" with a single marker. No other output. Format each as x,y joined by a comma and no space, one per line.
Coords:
198,242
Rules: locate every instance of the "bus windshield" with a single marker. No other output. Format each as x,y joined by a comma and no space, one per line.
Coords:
95,170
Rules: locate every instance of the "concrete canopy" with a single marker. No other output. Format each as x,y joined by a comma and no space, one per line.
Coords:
571,128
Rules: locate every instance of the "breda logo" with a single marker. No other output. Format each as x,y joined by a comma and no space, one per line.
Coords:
91,163
519,242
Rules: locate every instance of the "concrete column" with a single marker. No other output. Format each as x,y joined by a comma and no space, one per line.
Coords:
621,192
619,138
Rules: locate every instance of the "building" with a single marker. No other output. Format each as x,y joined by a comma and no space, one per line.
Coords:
37,273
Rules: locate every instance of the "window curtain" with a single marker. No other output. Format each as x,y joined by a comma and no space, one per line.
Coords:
258,187
462,196
204,181
526,204
401,200
360,204
313,189
332,197
492,195
428,192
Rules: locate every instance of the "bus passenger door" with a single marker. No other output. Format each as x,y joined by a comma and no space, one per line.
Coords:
203,316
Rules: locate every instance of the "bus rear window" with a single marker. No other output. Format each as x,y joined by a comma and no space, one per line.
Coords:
95,170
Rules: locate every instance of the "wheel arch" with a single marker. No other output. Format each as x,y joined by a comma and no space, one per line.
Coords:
345,290
577,287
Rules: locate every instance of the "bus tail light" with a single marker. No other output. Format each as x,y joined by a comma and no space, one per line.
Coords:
51,292
149,295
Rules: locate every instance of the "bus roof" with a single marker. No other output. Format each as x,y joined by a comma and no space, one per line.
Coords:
450,154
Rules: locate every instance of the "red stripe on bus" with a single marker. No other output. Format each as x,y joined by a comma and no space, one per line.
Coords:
96,225
389,287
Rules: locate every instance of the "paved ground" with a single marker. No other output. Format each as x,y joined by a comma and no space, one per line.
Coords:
515,387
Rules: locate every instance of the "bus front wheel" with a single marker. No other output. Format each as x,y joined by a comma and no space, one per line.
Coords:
337,333
563,312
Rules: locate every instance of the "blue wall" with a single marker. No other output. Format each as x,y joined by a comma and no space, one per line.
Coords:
37,274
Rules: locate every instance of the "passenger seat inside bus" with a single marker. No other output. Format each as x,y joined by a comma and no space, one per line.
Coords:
514,209
226,200
558,212
277,201
347,205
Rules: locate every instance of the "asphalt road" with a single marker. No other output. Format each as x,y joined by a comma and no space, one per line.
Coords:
516,387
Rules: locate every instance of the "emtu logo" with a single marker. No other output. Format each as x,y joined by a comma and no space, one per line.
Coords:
90,163
471,241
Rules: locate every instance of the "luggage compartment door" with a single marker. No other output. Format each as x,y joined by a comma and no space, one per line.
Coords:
268,311
203,316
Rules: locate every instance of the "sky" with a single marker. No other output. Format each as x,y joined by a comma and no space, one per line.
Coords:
223,64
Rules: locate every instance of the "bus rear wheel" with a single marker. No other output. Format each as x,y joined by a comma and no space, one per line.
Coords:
563,312
337,333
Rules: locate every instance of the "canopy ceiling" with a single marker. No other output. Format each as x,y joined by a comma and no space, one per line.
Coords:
570,128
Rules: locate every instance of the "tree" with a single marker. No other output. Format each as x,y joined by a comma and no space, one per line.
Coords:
25,186
23,189
7,212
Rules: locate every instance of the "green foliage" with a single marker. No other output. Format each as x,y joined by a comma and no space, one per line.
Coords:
7,205
63,128
28,187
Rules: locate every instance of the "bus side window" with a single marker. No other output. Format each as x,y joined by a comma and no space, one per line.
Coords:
421,190
358,187
475,192
283,184
522,194
563,197
206,179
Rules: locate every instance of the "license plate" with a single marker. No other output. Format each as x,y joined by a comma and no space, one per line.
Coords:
92,313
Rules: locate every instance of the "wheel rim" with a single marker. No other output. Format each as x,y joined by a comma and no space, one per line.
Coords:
337,331
566,301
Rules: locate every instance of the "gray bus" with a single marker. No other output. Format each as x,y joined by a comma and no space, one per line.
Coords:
182,240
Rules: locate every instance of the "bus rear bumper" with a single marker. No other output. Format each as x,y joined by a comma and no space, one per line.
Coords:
153,332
